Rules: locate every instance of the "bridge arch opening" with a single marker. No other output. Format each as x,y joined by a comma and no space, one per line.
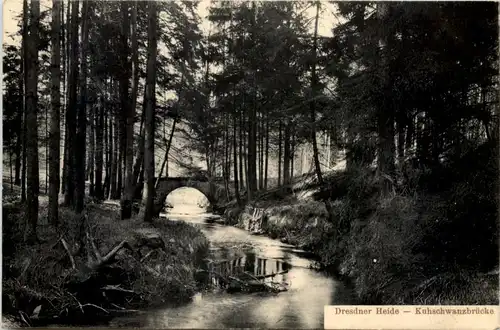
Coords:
186,200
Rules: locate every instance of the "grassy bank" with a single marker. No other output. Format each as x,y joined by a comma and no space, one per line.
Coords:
431,240
52,283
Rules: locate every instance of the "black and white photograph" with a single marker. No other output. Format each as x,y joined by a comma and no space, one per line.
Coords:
243,164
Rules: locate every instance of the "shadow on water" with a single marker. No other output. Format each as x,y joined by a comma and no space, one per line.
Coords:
237,254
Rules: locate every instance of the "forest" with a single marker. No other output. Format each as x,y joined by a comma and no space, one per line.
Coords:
406,93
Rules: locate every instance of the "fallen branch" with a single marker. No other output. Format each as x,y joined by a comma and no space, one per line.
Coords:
113,252
94,247
95,306
119,307
55,244
147,255
66,247
116,288
103,261
79,304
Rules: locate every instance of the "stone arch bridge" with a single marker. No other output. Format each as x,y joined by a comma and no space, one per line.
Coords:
214,190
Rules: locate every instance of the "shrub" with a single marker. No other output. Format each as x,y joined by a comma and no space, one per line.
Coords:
399,243
380,258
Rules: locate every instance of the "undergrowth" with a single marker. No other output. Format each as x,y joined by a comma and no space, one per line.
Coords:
42,275
432,239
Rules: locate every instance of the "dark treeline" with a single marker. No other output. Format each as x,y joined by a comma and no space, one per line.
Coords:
403,88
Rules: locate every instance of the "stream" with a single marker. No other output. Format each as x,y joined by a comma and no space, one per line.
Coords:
301,306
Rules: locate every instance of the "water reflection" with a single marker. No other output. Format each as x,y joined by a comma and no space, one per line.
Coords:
269,260
246,268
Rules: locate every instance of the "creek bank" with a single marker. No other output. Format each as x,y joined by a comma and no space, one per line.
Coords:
301,223
91,269
387,243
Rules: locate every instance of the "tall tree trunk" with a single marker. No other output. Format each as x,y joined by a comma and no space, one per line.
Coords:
11,174
170,139
252,151
149,162
24,95
313,103
67,71
119,158
64,181
121,143
46,138
91,164
68,50
258,135
105,150
385,114
113,129
55,134
409,135
317,165
245,161
328,148
69,197
139,159
235,154
240,147
62,38
227,157
292,153
286,155
19,143
227,154
279,152
65,40
20,115
109,151
138,167
401,141
79,152
245,165
135,58
129,190
266,170
112,150
167,151
31,118
99,127
252,128
261,153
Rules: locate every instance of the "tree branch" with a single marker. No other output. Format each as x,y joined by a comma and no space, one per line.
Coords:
66,247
